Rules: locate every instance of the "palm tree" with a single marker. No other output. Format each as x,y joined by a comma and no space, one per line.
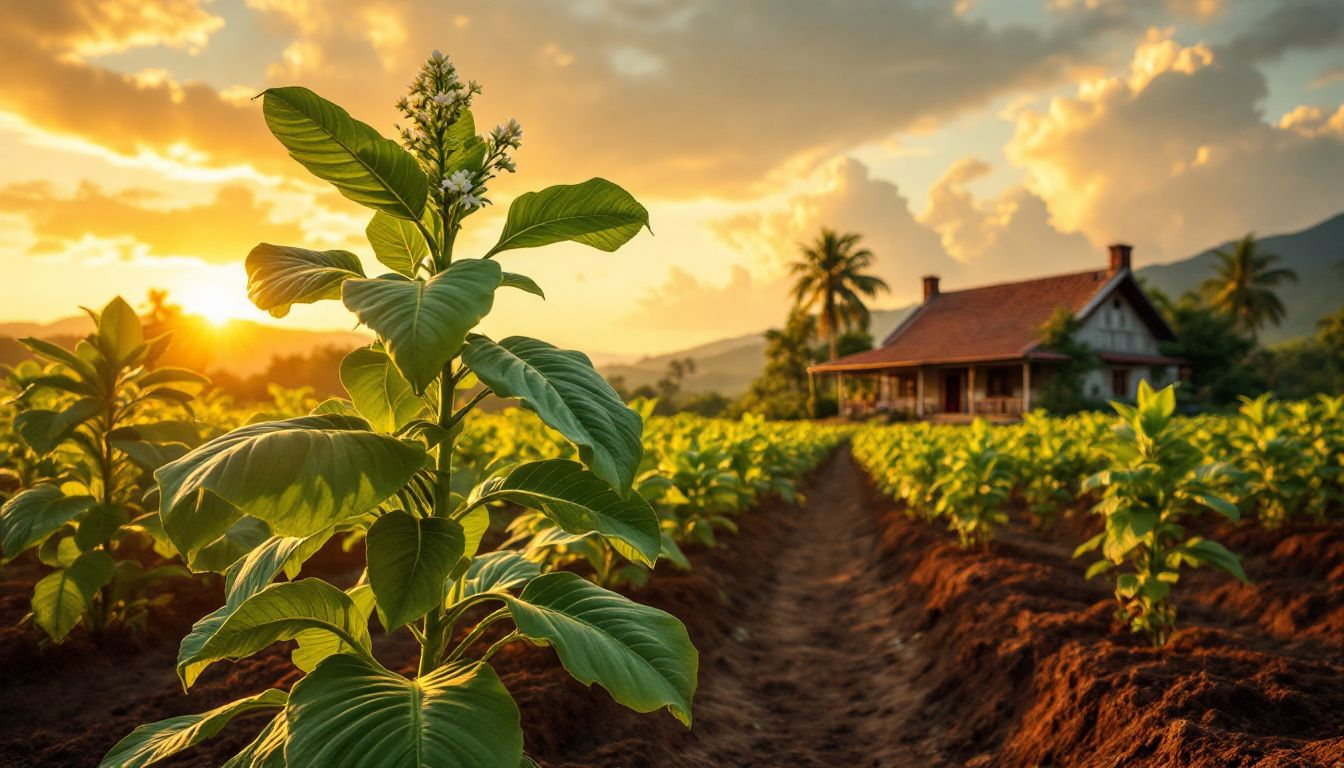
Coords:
1243,285
831,279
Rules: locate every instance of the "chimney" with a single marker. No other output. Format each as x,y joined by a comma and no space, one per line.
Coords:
1119,258
930,286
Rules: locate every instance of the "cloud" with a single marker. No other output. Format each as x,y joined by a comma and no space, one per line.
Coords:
679,98
742,305
848,199
1174,154
1006,236
144,223
96,27
52,84
1293,24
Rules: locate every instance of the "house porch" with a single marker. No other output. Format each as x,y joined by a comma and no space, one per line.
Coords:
998,391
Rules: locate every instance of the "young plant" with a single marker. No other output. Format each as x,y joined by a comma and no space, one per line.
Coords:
384,462
975,485
1156,478
1280,474
96,414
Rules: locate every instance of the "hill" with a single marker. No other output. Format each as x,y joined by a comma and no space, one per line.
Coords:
729,365
240,347
1316,254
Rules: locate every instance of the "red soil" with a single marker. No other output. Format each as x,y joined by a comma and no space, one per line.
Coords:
839,633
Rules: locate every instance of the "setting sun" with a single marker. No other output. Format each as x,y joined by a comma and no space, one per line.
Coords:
217,304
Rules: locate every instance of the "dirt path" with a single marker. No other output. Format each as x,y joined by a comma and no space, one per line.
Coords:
817,673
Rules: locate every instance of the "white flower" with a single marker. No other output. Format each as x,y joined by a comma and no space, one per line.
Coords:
459,183
436,56
507,163
470,201
442,98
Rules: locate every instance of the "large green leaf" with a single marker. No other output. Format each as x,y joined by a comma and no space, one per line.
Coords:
255,570
100,524
152,743
364,166
596,213
641,655
409,560
502,571
245,535
43,430
397,243
33,514
568,394
377,389
278,612
580,502
267,750
280,276
314,645
119,330
350,713
424,323
299,475
61,597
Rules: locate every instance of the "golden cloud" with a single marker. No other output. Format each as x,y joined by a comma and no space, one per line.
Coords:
221,231
1174,154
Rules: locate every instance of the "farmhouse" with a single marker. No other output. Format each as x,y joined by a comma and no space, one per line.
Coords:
976,352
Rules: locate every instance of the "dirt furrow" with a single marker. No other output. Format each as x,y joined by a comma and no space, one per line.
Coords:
816,672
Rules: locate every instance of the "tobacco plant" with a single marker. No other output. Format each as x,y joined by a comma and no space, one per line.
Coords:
384,463
975,484
1156,479
94,415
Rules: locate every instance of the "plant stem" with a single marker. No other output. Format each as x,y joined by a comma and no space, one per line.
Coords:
436,629
475,633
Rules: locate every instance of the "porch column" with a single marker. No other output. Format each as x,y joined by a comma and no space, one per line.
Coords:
970,389
812,394
840,393
919,392
1026,387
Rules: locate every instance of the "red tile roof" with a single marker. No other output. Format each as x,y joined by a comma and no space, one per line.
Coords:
996,322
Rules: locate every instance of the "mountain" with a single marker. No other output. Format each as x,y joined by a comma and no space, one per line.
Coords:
241,348
1315,254
729,365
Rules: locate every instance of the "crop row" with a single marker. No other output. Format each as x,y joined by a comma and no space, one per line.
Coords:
1146,471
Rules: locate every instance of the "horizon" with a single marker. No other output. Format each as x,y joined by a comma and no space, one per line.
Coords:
1018,141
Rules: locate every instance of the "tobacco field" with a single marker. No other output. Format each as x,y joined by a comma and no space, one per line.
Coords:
483,556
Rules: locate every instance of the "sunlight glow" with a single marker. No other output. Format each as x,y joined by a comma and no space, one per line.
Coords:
218,305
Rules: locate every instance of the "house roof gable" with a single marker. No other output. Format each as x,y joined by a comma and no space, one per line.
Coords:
997,322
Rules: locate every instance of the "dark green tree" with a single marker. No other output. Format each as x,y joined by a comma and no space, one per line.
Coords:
832,280
1062,390
781,391
1244,285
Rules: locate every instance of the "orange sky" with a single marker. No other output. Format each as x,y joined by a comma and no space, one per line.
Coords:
981,139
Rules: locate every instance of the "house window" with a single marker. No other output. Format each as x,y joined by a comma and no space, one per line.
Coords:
1119,383
999,383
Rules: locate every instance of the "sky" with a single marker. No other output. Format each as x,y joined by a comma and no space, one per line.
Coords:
981,140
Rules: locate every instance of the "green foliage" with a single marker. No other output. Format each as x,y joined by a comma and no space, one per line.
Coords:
1243,286
781,391
831,278
382,466
98,419
974,486
1218,354
1062,391
1279,462
1156,479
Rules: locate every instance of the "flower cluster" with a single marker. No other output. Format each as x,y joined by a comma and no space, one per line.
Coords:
436,111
